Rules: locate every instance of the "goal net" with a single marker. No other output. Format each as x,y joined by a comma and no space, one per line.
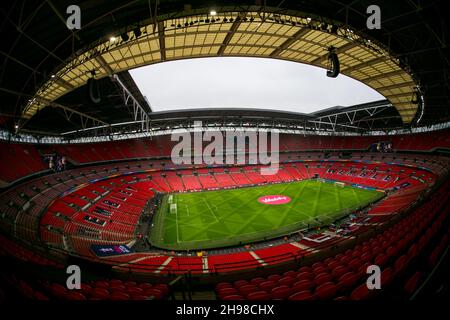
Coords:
340,184
173,208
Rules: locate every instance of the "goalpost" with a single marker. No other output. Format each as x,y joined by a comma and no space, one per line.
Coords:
339,184
172,205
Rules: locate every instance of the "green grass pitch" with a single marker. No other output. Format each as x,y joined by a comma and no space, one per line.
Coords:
221,218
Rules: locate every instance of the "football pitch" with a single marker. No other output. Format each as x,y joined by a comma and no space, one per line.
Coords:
221,218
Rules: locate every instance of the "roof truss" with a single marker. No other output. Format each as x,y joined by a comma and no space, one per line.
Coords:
238,33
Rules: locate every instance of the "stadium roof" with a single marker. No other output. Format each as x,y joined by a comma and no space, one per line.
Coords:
46,66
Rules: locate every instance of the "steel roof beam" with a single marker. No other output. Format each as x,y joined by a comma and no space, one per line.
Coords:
342,49
162,40
64,83
231,33
70,110
398,85
364,64
286,44
385,75
104,65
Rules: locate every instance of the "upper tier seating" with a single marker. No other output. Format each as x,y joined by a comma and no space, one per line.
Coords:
19,160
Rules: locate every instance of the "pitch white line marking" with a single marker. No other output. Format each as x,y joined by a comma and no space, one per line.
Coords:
215,217
176,224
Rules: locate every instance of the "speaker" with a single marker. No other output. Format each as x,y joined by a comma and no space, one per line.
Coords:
334,64
94,91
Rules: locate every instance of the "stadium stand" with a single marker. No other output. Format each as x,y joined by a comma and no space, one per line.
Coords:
103,204
88,178
29,158
340,276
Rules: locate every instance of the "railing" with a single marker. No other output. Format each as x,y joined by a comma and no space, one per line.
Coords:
28,138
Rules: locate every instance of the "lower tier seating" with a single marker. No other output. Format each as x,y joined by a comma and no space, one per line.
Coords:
344,275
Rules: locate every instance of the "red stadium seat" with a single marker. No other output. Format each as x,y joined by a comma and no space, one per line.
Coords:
305,276
240,283
224,285
412,284
119,296
291,274
305,269
247,289
101,284
115,282
227,291
322,278
257,281
303,285
326,291
348,280
74,295
288,281
155,293
135,290
139,297
274,277
361,293
58,290
386,277
339,271
258,295
303,295
40,296
145,286
100,293
130,284
267,285
281,292
381,260
233,297
400,264
164,288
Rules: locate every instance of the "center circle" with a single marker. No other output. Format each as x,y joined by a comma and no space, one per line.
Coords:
274,199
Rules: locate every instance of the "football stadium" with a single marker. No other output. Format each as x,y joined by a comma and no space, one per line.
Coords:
111,191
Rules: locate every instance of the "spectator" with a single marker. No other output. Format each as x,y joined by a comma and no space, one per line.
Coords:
63,162
51,164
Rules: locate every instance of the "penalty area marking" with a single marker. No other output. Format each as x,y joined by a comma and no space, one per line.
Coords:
215,217
176,223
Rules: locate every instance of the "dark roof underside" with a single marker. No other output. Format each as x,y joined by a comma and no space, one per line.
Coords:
35,41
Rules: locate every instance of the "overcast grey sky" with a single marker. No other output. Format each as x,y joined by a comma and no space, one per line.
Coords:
247,83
